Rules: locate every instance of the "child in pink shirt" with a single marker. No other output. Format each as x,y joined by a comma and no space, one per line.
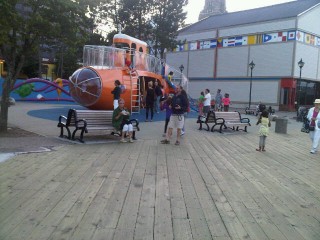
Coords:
226,102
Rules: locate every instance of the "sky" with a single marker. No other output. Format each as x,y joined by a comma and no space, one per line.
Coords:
195,6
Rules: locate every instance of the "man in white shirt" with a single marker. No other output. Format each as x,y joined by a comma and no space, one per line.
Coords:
207,101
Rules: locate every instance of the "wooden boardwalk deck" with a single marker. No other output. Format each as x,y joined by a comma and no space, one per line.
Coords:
212,186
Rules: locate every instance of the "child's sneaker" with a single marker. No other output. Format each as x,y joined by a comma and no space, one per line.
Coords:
123,141
131,140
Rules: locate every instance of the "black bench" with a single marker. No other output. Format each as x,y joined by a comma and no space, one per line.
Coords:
224,120
89,120
250,111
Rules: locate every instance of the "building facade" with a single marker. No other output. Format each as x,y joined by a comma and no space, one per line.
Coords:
213,7
218,51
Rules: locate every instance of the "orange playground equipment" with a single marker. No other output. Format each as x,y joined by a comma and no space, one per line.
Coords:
127,61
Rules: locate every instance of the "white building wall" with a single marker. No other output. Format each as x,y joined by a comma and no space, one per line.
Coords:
273,26
201,63
175,60
310,55
272,59
266,91
309,21
232,62
198,36
318,70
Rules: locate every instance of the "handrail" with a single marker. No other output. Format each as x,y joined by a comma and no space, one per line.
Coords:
106,57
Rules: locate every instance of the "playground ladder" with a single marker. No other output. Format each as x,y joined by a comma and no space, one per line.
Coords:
135,91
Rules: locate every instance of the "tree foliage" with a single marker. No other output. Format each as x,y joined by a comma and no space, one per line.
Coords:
29,24
167,19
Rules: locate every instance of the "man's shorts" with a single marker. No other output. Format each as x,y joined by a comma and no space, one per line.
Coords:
206,109
176,121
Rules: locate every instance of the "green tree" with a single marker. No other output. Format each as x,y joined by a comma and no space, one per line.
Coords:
168,17
29,23
135,17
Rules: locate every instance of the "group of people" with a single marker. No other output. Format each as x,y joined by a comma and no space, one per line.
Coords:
177,105
206,102
152,99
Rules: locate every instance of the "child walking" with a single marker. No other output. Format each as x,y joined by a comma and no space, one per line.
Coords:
263,130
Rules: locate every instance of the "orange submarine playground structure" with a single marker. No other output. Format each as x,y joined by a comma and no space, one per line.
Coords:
127,61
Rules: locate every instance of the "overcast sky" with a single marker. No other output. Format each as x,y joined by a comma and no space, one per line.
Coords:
195,6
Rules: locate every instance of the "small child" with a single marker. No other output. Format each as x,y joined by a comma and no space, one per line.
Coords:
200,103
166,105
263,130
226,102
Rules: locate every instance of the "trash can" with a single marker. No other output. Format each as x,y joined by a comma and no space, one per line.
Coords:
281,125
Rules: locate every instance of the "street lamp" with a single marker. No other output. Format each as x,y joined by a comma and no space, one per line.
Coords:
181,70
251,65
300,64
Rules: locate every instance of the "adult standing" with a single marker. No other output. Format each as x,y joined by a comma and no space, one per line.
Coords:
158,95
218,100
116,93
179,107
314,117
207,101
149,101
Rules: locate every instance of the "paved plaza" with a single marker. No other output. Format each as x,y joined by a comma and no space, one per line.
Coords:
212,186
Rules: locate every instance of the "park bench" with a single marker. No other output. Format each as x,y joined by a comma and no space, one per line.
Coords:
224,120
250,110
88,121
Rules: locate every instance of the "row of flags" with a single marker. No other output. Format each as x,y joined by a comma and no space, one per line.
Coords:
251,39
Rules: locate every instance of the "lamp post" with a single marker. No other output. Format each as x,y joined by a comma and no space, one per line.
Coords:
300,64
251,65
181,70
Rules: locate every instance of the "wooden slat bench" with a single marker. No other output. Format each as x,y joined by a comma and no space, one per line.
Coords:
89,120
224,120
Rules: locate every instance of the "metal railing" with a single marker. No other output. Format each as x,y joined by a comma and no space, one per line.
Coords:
105,57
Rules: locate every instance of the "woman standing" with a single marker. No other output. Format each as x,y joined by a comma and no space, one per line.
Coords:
149,101
314,117
116,93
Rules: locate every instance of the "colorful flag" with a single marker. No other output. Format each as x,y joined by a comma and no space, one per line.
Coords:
300,36
291,35
204,44
312,40
252,39
186,46
275,37
239,41
219,42
193,46
307,38
259,38
213,43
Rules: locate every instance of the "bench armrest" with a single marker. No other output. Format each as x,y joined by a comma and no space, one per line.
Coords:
136,121
220,120
245,120
62,121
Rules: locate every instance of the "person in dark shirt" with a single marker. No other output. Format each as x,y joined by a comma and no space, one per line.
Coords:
149,101
179,106
158,95
116,93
